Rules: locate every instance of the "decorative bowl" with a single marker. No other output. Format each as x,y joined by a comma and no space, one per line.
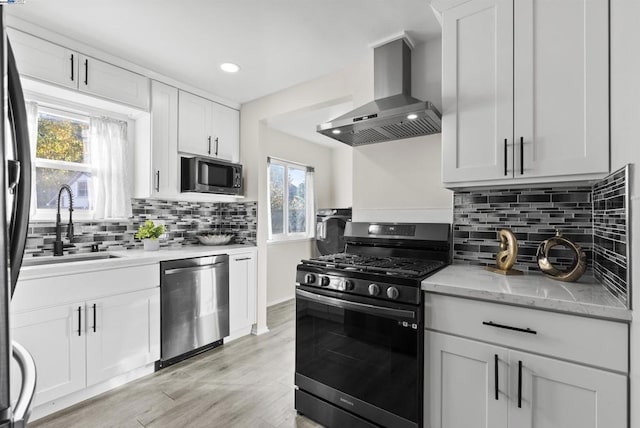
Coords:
214,239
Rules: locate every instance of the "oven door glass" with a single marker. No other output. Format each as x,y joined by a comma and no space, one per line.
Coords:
371,353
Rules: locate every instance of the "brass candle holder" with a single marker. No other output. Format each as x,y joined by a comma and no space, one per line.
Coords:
506,257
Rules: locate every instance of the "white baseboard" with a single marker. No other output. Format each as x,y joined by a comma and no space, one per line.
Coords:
257,332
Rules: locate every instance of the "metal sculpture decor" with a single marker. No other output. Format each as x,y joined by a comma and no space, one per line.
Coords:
577,268
506,257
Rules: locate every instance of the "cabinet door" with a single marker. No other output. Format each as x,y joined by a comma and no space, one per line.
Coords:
55,337
123,333
556,394
114,83
195,130
477,91
226,132
561,87
43,60
242,292
462,378
164,139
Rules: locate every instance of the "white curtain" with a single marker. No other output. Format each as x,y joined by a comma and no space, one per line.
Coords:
111,198
311,202
32,123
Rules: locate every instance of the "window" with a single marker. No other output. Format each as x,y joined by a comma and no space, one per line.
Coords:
62,157
83,151
290,200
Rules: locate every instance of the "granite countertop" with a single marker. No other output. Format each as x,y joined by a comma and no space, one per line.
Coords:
586,297
127,258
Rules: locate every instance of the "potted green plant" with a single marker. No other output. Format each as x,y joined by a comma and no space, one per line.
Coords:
149,233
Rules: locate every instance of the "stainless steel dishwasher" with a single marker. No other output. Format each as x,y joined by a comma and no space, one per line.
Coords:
194,306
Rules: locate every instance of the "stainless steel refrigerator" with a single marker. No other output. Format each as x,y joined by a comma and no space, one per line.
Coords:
14,212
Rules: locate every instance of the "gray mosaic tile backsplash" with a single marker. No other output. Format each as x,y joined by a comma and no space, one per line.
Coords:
595,217
184,220
532,214
610,233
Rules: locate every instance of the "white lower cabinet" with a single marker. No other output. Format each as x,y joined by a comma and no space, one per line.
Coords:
242,293
473,384
55,337
81,344
497,366
123,333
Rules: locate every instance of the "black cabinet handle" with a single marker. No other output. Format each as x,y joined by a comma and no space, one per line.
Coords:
495,364
521,155
157,181
86,71
79,320
243,258
71,59
508,327
216,146
94,317
505,157
209,140
519,384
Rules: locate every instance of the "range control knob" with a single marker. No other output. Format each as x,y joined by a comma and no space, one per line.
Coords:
374,289
309,278
392,293
347,285
325,281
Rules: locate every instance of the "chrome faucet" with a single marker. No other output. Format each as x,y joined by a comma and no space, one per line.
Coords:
58,245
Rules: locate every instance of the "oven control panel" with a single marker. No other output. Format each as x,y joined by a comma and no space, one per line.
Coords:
363,287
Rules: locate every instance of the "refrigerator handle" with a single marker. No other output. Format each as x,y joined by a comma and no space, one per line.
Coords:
22,200
27,366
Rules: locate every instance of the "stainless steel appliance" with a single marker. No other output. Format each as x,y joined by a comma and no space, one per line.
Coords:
194,306
209,175
330,224
394,113
14,209
360,329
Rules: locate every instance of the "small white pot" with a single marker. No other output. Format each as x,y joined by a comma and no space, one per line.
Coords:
151,244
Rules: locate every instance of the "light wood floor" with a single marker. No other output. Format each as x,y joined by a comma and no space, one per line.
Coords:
245,383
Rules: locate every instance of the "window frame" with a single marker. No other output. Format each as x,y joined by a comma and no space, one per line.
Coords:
310,203
47,214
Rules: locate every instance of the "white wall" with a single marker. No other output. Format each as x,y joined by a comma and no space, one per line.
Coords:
352,82
282,257
625,148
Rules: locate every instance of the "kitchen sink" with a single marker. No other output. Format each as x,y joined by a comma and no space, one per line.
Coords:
49,260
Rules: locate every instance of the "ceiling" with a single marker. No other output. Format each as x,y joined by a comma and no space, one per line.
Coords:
277,43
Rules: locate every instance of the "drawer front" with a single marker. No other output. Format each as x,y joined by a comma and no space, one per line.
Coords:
584,340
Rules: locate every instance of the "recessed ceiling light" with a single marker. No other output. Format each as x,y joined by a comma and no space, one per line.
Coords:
230,67
412,116
336,131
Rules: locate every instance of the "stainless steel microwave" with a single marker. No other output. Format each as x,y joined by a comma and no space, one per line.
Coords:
208,175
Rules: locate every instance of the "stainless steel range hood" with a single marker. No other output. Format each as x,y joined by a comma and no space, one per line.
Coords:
394,114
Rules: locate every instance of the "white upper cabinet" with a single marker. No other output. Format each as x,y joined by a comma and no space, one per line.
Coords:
43,60
195,119
525,91
112,82
164,138
207,128
46,61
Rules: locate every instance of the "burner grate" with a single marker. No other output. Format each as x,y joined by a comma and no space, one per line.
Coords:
392,266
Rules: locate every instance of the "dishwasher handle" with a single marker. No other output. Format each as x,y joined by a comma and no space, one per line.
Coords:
193,268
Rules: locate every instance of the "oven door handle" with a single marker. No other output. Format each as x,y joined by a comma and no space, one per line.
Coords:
360,307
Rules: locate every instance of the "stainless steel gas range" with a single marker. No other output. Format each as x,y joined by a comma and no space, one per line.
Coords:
359,325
